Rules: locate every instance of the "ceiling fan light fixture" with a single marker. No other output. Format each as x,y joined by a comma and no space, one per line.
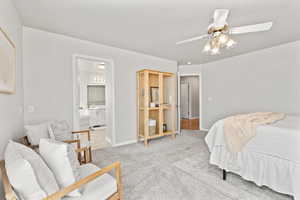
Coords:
230,43
219,33
215,51
207,47
223,39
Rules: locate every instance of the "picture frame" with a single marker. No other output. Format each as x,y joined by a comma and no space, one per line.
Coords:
154,95
7,64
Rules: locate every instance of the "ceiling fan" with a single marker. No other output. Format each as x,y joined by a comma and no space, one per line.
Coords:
219,32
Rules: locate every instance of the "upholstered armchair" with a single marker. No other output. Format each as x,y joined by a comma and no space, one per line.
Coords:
83,153
60,131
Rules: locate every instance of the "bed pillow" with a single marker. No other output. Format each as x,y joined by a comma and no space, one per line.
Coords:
62,160
28,173
60,131
37,132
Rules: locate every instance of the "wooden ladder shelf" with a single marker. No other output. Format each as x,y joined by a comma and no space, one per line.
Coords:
156,100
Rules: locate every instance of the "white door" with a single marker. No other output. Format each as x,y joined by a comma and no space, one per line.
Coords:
184,100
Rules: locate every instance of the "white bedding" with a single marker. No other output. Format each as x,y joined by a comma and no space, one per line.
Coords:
271,158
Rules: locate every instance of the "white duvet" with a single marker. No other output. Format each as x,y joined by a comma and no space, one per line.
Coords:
271,158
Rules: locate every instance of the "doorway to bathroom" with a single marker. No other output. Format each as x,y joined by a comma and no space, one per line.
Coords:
93,100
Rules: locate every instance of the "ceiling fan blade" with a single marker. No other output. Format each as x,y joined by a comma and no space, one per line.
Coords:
192,39
251,28
220,16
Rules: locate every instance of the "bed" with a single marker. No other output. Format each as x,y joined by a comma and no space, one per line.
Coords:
271,158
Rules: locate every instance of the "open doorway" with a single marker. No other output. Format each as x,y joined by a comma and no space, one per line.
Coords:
190,102
93,99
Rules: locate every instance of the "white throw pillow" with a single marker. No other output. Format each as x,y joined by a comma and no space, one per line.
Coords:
62,160
28,173
60,131
37,132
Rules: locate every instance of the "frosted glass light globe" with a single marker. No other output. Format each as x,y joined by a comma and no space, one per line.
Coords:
223,39
207,47
215,51
230,43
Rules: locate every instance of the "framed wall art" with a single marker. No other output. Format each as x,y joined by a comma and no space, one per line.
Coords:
7,64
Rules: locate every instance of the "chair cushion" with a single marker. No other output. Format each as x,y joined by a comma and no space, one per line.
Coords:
60,131
28,173
62,160
37,132
99,189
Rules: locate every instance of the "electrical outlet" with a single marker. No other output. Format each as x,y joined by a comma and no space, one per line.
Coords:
30,109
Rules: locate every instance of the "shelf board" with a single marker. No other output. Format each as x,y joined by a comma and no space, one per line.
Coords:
152,136
167,74
167,107
153,73
168,133
155,136
158,135
155,108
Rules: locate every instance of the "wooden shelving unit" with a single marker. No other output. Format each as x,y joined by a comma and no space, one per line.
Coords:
165,99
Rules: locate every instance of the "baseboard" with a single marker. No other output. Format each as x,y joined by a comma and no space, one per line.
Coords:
203,129
133,141
125,143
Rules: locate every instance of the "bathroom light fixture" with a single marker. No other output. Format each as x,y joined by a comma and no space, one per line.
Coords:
101,66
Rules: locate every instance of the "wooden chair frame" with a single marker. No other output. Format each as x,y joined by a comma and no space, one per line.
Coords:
118,195
88,154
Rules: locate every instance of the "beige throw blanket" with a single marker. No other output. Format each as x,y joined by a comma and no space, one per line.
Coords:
240,129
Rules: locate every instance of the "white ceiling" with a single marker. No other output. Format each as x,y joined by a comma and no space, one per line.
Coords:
153,26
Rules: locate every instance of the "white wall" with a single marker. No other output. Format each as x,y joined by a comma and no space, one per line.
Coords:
265,80
48,77
11,116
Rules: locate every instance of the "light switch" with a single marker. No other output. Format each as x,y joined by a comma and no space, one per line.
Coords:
20,110
209,98
30,109
170,99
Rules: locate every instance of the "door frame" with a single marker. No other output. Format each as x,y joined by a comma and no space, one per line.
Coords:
201,128
111,125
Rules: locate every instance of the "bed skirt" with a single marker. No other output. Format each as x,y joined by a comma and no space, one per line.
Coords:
276,173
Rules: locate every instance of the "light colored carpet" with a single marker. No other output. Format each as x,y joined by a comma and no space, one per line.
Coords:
178,169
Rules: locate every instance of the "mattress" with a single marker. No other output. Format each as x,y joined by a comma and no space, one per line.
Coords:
271,158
